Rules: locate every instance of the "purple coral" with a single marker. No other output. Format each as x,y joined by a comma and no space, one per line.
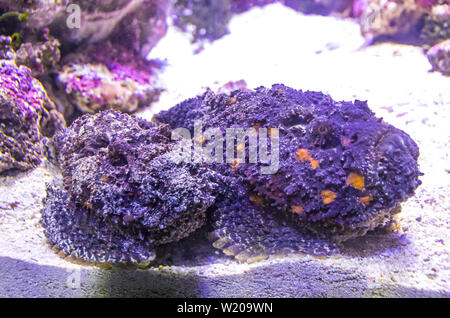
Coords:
26,117
239,6
439,57
124,64
97,66
137,24
40,57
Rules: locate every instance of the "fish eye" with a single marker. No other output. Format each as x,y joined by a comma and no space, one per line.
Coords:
323,128
323,133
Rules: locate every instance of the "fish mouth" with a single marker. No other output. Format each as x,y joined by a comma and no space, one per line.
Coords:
394,180
397,167
396,146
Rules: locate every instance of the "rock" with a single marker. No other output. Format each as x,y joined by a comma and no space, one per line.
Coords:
139,24
104,76
6,50
437,25
208,20
27,118
388,18
439,57
239,6
39,57
204,19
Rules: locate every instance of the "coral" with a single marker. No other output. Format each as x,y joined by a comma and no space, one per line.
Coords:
6,50
206,20
40,57
437,25
105,77
232,86
122,62
10,20
27,117
99,65
122,193
439,57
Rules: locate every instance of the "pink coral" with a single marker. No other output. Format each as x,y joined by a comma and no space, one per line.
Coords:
16,82
27,116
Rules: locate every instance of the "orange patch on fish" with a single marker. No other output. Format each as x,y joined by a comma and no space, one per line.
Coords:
235,164
365,199
297,209
201,139
128,218
314,164
273,132
240,147
328,196
303,155
355,180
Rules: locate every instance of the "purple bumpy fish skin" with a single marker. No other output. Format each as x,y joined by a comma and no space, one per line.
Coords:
122,193
342,172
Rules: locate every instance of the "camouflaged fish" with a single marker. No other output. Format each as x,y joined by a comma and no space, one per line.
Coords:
125,193
389,17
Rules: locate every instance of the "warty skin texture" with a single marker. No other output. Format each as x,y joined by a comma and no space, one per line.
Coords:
324,146
100,64
342,172
122,194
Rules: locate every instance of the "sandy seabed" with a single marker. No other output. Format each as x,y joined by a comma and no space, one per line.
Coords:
264,47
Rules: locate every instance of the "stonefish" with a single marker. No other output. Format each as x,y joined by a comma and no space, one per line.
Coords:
127,189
